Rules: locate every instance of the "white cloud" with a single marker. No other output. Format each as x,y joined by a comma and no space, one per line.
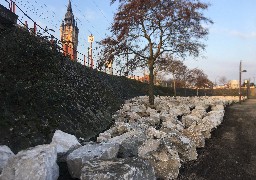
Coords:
243,35
235,33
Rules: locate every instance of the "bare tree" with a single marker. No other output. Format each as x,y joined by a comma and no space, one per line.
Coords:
145,29
223,80
182,76
160,75
199,79
171,66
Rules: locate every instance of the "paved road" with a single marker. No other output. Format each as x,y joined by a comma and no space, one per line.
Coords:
231,152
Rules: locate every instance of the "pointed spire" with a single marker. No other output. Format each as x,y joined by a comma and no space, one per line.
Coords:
69,6
69,14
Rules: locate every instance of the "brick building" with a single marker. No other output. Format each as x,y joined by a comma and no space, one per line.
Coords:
69,34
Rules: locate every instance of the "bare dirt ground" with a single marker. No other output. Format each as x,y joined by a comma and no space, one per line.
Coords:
231,151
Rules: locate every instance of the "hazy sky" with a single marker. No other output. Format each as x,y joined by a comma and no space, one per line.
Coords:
232,36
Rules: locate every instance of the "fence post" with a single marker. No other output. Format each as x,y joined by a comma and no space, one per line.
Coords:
26,24
88,57
35,27
10,6
13,7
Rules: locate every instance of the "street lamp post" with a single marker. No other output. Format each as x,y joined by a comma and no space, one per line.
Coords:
91,40
240,77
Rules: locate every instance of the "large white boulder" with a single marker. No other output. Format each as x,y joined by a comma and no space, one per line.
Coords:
185,147
138,108
35,163
216,117
149,121
200,113
104,137
162,156
5,154
77,158
126,107
170,121
152,133
218,107
117,129
165,161
65,143
188,120
185,108
118,169
129,143
205,127
148,146
133,116
196,136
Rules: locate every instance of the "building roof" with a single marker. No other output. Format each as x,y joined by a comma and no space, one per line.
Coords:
69,6
69,14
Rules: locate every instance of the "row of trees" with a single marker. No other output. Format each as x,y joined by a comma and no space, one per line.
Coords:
144,30
181,75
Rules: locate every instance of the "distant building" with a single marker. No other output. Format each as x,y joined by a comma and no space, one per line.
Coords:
69,34
144,78
233,84
109,67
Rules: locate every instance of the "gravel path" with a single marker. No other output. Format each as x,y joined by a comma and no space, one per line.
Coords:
231,152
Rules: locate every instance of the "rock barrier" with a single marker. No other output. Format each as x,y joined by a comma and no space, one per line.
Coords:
146,142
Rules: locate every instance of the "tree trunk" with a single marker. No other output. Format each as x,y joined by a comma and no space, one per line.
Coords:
185,89
174,87
151,84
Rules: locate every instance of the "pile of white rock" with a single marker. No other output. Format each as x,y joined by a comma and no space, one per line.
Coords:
146,142
168,133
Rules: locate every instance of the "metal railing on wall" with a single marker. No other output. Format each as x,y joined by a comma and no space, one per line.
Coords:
55,42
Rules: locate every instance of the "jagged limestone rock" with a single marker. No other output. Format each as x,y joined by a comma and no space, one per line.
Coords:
152,133
165,161
188,120
77,158
35,163
126,107
148,121
148,146
218,107
118,169
119,128
200,113
185,147
174,127
129,143
196,136
216,117
104,137
205,127
65,144
5,154
138,108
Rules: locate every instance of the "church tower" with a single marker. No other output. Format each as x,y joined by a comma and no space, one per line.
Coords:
69,34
